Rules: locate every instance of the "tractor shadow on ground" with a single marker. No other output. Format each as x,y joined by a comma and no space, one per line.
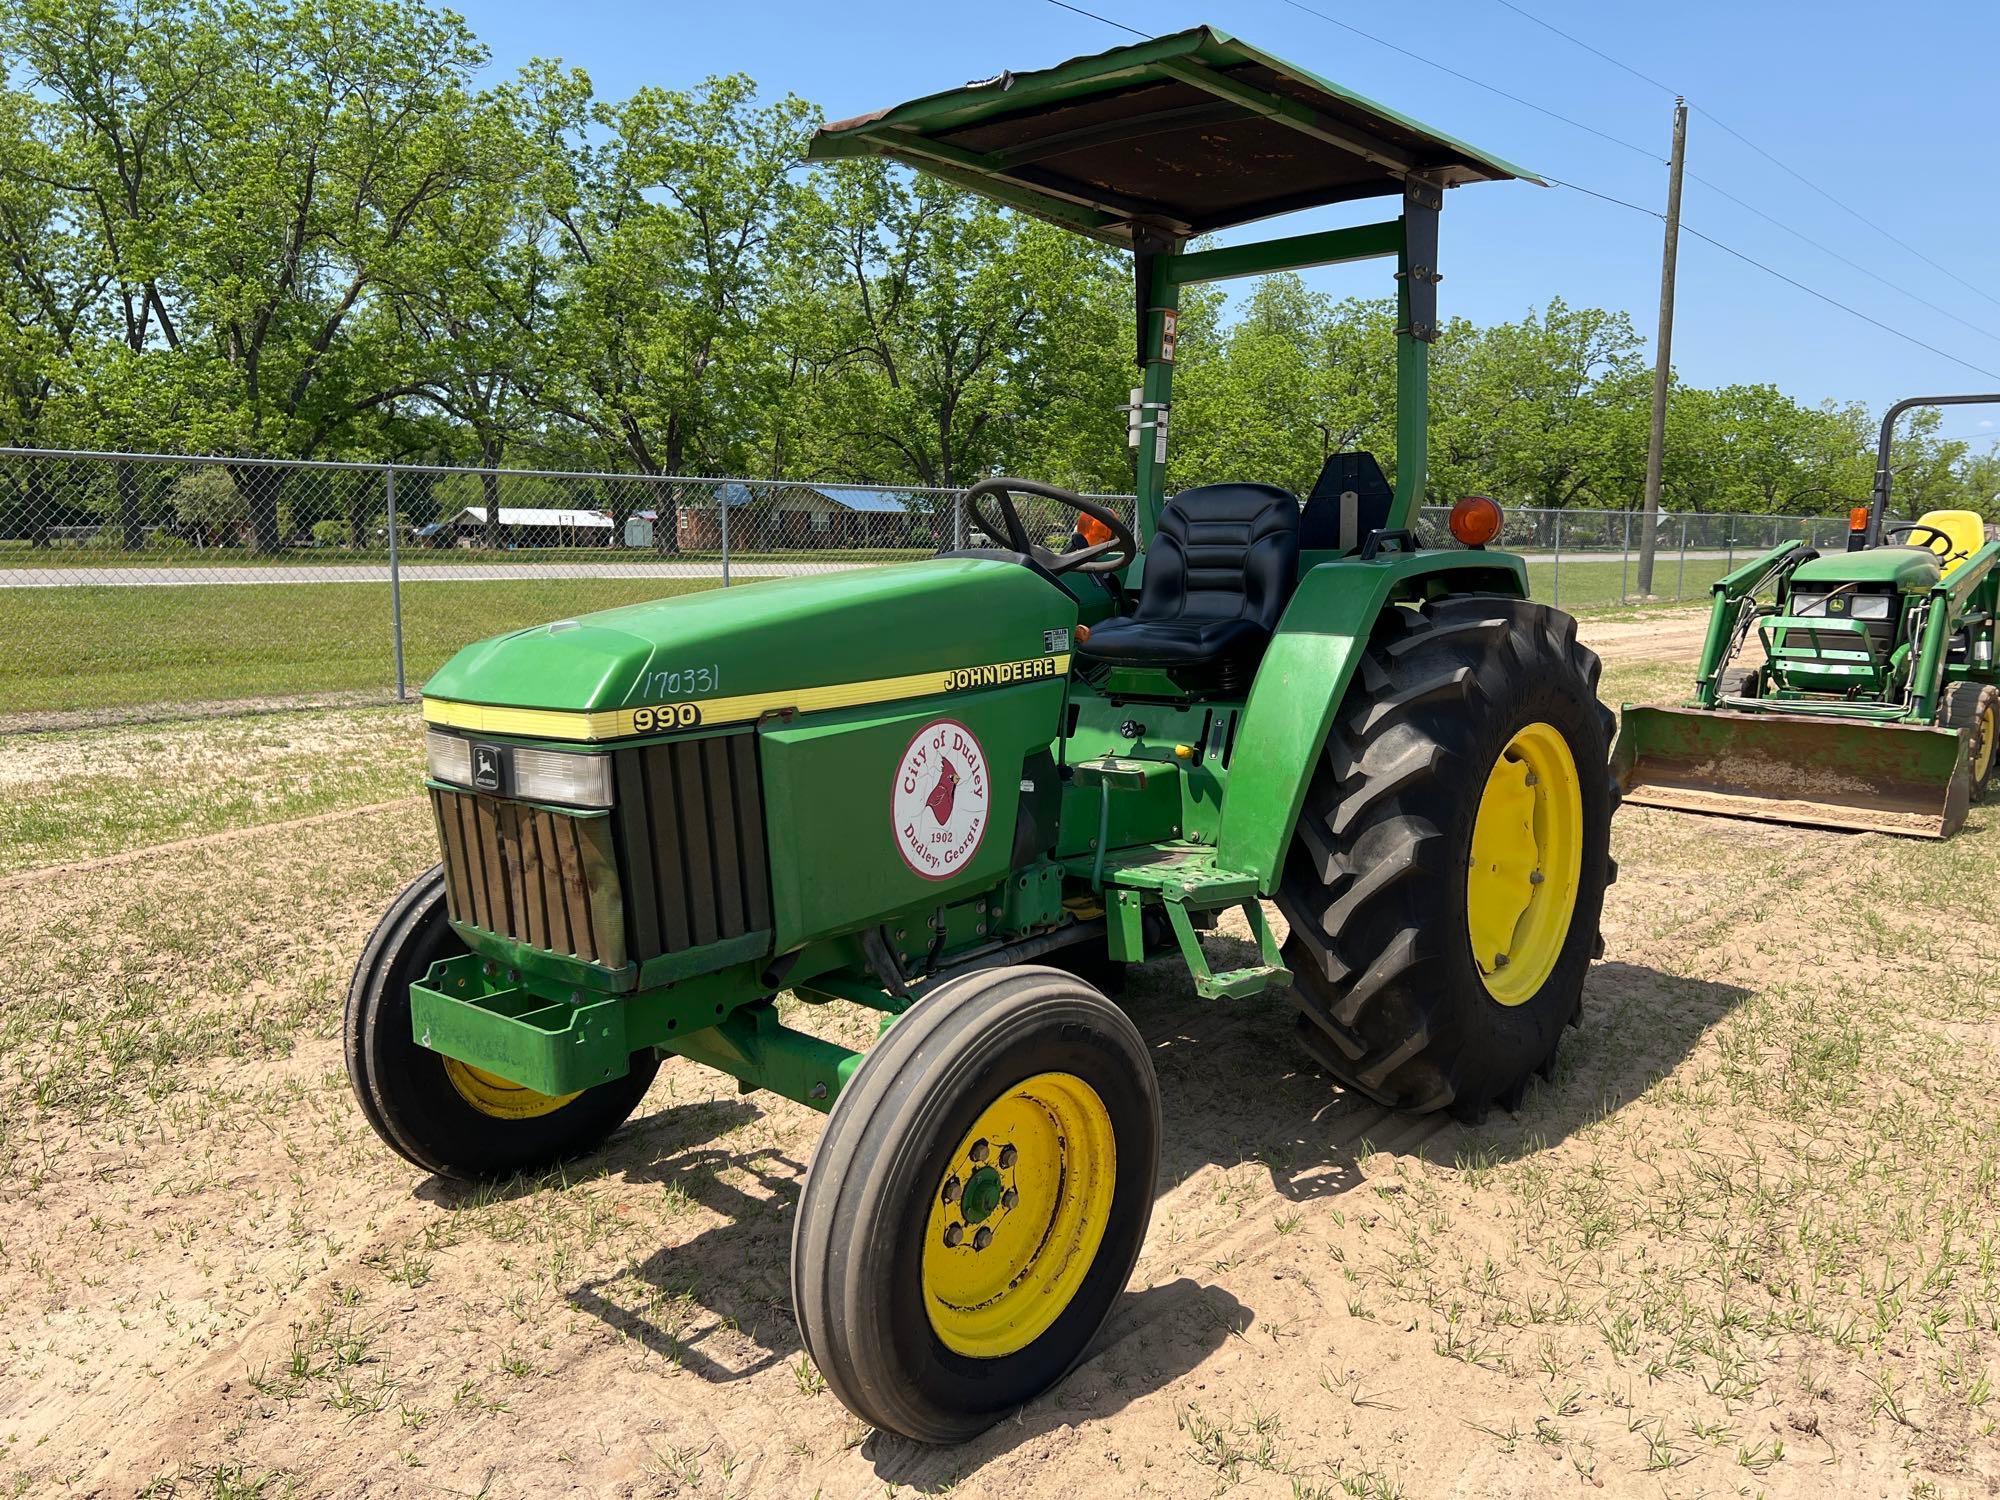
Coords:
1153,1338
1237,1087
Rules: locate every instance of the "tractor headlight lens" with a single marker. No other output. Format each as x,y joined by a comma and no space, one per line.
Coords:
1871,606
559,776
450,758
1806,604
571,780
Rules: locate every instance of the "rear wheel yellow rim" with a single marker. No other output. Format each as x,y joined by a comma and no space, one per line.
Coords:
1982,758
1017,1219
1525,863
494,1096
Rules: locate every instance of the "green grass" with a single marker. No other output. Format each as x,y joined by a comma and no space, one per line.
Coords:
78,649
1600,582
90,648
19,555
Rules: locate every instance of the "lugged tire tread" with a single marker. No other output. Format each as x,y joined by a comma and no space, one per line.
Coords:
1364,870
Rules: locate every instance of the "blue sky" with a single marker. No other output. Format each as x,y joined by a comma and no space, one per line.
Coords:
1895,118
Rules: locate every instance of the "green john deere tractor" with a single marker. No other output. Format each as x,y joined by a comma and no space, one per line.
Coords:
964,793
1876,703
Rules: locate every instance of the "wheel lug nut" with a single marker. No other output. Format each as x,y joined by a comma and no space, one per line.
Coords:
978,1151
1536,877
1499,960
983,1238
953,1233
1009,1198
951,1190
1533,780
1008,1156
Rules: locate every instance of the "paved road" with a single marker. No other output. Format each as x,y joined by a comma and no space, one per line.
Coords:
177,577
182,577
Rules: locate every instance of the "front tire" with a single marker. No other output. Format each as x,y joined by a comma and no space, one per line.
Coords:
1447,875
1974,707
436,1112
976,1205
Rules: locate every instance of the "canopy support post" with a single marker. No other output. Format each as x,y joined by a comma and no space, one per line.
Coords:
1416,328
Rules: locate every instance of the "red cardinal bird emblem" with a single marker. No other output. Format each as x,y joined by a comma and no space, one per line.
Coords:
944,794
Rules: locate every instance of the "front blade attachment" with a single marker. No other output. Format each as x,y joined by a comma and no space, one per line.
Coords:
1819,772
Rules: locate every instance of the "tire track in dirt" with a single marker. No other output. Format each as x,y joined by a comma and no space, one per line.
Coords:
149,852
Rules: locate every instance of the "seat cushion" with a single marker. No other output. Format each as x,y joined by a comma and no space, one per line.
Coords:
1220,568
1174,643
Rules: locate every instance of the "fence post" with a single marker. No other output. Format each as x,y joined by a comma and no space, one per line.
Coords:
722,509
1625,568
1556,569
1681,577
958,522
395,584
1729,542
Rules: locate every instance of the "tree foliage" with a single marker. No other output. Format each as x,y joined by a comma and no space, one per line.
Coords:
303,228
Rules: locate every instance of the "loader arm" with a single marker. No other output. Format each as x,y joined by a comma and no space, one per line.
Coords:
1734,592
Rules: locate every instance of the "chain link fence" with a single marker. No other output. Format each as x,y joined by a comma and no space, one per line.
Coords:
132,582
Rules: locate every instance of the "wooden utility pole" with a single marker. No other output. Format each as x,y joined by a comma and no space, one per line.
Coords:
1663,353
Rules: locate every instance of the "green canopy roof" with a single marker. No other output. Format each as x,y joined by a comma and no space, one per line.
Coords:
1178,136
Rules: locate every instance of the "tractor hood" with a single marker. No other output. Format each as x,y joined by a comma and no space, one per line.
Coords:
833,640
1907,569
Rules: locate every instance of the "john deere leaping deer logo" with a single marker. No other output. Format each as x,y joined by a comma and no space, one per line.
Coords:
941,799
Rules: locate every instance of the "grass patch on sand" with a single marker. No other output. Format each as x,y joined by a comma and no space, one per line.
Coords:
88,648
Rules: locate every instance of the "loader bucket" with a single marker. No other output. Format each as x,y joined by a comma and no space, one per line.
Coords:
1822,772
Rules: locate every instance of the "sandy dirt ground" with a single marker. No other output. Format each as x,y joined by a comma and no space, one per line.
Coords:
1745,1242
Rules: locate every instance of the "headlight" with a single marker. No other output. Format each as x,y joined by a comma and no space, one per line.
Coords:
450,758
560,776
1871,606
572,780
1807,604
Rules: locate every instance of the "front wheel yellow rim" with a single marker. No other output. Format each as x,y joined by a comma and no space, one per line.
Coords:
1525,863
494,1096
1017,1218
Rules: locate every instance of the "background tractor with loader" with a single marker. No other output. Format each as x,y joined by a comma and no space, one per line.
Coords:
1876,702
964,792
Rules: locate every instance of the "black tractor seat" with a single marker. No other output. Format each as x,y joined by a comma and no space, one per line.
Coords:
1220,568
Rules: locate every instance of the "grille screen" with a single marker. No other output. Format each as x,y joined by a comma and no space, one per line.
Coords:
680,861
691,843
542,878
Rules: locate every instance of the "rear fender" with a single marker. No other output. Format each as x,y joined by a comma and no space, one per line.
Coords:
1304,675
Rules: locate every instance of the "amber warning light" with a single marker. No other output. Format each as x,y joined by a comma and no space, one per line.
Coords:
1857,518
1475,520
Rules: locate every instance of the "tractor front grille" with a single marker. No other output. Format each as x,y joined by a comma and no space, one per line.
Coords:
544,878
679,862
691,848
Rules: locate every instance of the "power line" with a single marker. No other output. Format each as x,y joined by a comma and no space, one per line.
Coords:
1782,166
1478,83
1810,291
1144,36
1833,302
1575,187
1580,42
1850,264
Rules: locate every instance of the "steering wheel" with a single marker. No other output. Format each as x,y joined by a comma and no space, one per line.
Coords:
1112,555
1930,542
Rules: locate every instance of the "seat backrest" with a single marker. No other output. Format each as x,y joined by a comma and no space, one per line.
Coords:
1966,528
1223,552
1348,500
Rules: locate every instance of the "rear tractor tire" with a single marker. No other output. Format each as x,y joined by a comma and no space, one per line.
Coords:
441,1114
1974,707
1446,878
975,1207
